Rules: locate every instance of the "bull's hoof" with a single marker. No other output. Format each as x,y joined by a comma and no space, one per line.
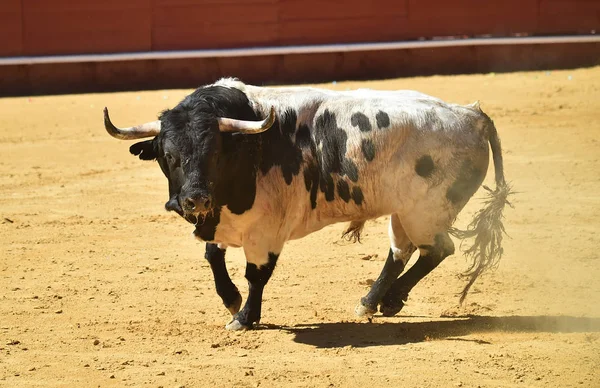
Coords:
235,325
365,310
234,307
391,306
390,310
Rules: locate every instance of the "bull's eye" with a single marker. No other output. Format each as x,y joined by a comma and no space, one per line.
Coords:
170,158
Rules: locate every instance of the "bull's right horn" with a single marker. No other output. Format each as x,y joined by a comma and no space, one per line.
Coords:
138,132
248,127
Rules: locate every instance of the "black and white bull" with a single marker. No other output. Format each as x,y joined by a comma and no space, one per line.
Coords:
254,167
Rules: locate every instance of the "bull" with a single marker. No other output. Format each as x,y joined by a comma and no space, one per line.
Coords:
254,167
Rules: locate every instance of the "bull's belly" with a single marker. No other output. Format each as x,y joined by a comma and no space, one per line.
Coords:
372,206
301,231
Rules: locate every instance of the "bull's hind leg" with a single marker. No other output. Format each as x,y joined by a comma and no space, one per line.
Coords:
400,251
431,255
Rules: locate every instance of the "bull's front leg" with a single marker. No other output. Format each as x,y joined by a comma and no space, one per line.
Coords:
259,268
225,288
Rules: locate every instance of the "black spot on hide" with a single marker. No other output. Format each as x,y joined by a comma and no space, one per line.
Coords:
383,120
311,170
311,181
333,155
357,195
466,184
350,170
328,188
362,121
343,190
424,166
278,148
368,149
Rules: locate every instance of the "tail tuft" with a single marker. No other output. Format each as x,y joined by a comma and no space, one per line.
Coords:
487,230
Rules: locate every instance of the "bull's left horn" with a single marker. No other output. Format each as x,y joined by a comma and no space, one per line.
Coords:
138,132
249,127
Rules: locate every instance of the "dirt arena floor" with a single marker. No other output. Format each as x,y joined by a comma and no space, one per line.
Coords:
101,287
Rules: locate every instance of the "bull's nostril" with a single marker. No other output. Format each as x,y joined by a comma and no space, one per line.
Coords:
190,203
207,204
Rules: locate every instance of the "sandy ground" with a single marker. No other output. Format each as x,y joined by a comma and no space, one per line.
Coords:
101,287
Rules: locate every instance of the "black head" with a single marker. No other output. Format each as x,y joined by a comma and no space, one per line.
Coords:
192,151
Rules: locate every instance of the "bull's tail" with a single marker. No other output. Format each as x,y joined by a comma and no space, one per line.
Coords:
486,228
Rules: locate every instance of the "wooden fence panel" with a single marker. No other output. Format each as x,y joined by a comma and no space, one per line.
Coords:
86,26
11,36
191,25
341,9
472,17
337,21
569,16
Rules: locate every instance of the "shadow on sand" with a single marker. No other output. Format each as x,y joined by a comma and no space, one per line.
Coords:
335,335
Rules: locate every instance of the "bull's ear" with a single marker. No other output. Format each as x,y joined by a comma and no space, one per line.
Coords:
145,150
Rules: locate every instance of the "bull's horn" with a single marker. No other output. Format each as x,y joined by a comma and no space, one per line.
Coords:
249,127
139,131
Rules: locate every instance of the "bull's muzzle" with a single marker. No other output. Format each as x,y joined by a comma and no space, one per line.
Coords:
196,204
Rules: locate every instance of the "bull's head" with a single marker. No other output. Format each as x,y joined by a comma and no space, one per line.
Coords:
187,147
